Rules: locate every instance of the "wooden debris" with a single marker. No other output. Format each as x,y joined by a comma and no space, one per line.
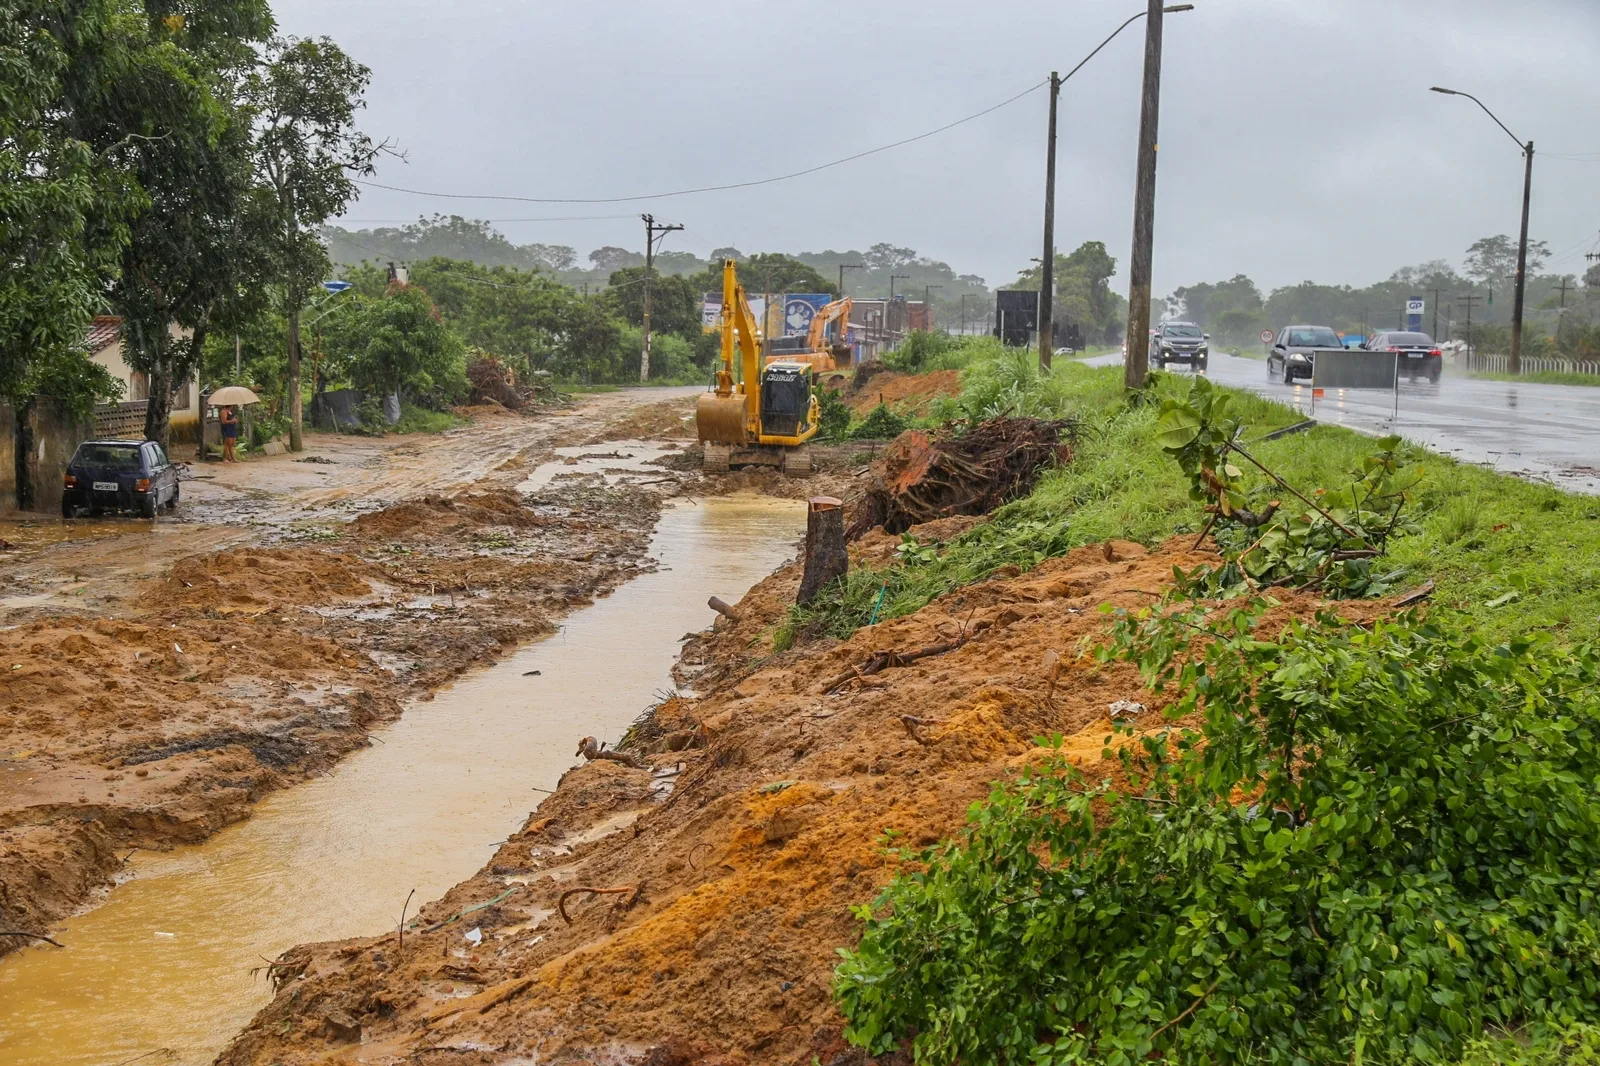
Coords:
590,749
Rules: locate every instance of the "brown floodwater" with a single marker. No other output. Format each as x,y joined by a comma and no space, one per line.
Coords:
164,962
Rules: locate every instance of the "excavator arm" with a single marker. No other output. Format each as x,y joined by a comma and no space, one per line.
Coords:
837,311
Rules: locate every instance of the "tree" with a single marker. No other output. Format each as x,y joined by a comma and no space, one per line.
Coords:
1491,259
611,257
550,256
674,300
886,256
1591,277
1083,290
64,202
719,254
399,341
303,100
191,247
767,272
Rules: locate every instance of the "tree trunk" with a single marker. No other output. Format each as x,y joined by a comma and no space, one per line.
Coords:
826,557
295,443
158,409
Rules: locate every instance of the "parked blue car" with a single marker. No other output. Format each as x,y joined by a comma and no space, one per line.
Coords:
119,475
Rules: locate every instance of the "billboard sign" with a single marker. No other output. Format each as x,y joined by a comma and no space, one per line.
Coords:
799,308
1414,308
711,311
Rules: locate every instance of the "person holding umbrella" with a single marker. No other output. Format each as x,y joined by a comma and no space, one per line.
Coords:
229,400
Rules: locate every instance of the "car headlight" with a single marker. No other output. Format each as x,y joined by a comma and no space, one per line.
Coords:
1298,357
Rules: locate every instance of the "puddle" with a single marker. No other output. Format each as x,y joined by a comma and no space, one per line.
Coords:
165,962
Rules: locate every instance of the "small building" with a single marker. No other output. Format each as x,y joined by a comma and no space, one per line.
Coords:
104,345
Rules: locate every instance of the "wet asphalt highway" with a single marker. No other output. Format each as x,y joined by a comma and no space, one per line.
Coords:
1546,432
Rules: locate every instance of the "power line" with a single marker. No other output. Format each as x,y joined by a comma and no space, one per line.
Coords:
557,218
711,188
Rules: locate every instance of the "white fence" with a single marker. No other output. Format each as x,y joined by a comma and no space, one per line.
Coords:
1482,363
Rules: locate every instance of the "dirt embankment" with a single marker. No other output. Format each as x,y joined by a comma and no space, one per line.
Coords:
241,671
907,394
731,858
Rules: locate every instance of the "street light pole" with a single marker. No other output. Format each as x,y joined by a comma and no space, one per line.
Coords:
1522,242
1047,282
888,311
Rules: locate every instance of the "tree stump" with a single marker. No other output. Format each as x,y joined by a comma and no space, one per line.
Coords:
826,558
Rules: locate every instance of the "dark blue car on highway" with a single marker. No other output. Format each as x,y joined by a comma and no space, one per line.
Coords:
119,475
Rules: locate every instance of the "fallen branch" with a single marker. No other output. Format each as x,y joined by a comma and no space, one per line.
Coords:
1416,595
1302,497
911,722
590,749
887,660
561,904
33,936
402,927
716,603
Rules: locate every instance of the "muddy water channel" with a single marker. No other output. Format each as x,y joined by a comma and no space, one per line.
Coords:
165,961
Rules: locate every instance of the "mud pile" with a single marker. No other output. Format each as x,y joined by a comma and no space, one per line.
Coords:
708,888
908,394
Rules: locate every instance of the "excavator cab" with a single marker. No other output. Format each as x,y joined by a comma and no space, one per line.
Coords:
785,399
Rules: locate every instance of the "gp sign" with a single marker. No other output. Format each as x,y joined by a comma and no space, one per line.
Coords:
1414,307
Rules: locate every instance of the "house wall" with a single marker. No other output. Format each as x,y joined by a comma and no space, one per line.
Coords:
185,419
53,435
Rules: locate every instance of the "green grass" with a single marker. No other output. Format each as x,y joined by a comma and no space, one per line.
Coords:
1532,551
421,420
1546,377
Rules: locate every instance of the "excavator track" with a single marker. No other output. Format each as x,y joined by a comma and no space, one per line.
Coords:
716,458
797,461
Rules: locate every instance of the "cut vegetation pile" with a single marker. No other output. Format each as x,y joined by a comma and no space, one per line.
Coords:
959,471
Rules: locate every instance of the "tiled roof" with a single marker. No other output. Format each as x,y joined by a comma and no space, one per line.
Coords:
104,330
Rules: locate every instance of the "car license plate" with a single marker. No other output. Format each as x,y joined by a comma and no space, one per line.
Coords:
105,486
1413,355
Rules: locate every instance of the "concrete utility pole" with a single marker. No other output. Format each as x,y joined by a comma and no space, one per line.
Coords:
888,310
651,229
1522,243
1136,367
1047,291
1469,300
847,266
1435,294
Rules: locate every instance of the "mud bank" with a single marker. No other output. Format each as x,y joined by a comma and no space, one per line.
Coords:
723,900
235,673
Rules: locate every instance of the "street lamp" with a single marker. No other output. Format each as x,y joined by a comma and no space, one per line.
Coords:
1522,243
1047,280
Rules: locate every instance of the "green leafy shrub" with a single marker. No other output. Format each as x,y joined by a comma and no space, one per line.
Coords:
834,420
880,424
1379,843
919,352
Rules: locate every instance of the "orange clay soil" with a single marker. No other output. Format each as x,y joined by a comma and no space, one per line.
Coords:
907,394
241,671
737,852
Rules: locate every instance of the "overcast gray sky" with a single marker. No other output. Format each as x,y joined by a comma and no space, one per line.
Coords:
1298,138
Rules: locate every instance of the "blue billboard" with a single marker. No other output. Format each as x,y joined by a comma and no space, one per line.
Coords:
799,308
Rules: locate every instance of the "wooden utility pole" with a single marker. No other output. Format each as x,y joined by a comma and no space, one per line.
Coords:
650,238
1435,293
847,266
1047,291
1136,367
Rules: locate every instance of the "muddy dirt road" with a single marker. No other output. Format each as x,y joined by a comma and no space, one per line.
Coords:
159,678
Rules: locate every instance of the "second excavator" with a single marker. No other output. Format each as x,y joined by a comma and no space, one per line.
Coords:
766,415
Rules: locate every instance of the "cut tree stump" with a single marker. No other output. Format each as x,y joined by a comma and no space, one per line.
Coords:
826,557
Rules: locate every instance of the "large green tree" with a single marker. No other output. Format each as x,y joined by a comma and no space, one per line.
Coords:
396,342
64,199
192,247
303,100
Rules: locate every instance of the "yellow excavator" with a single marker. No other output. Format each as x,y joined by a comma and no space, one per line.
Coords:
827,355
764,419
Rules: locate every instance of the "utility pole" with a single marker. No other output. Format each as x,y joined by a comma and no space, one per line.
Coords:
651,229
1469,300
927,302
1137,365
1435,293
847,266
1047,290
963,314
888,311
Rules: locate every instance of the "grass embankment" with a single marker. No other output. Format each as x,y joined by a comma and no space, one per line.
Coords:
1516,555
1547,377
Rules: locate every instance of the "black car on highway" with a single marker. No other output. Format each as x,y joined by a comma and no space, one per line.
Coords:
119,475
1419,356
1294,351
